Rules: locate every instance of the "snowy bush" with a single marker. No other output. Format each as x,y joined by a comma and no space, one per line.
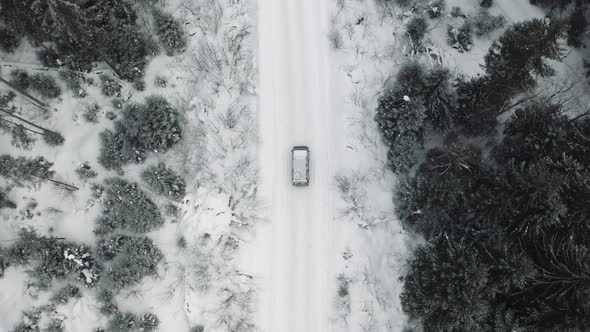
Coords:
90,113
436,8
109,86
53,138
131,259
55,325
80,60
86,172
109,247
118,103
127,208
416,29
63,295
460,38
48,57
164,181
152,126
139,85
169,31
486,3
123,322
172,211
20,78
73,81
198,328
9,39
484,23
181,242
128,322
52,259
149,322
160,81
104,297
456,11
45,85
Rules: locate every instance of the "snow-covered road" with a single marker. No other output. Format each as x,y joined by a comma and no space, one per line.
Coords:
295,109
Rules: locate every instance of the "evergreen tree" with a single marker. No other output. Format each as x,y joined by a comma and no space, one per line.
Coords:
23,170
416,29
521,52
409,81
164,181
447,286
532,133
127,208
400,116
478,104
439,99
137,258
150,127
169,32
578,24
9,39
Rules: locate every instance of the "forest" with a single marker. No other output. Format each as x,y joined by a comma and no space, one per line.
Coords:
70,40
494,176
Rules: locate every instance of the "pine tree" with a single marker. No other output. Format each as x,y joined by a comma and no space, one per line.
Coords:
531,134
416,29
447,286
164,181
439,99
29,171
169,32
578,24
23,170
477,106
521,52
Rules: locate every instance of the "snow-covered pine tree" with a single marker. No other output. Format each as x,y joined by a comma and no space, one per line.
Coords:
521,51
164,181
25,170
169,32
458,300
439,99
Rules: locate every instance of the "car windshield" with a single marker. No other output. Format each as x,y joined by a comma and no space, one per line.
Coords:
300,154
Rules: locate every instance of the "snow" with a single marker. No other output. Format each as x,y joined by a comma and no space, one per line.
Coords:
258,253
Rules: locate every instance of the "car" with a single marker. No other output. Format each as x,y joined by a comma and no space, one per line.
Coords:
300,166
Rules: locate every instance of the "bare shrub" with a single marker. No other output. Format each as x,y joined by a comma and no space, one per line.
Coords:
335,37
352,191
232,115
